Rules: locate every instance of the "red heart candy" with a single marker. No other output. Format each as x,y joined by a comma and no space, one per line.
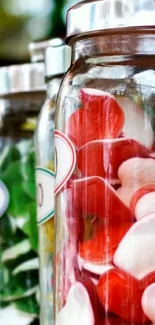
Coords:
101,248
110,319
91,289
94,196
121,294
104,157
103,119
66,262
89,95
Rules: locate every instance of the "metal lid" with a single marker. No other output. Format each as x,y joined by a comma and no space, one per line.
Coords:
22,78
89,16
57,58
37,50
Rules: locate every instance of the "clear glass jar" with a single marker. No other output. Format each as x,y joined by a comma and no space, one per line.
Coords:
105,149
57,61
22,92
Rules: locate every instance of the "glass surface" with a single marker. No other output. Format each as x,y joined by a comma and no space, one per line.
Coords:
105,190
44,141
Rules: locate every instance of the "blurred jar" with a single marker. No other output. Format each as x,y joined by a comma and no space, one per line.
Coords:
22,92
37,49
105,167
57,61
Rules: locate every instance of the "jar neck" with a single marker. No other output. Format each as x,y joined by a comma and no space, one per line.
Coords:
53,85
127,44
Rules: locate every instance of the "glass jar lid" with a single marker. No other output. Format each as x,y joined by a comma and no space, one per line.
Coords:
22,78
57,58
105,15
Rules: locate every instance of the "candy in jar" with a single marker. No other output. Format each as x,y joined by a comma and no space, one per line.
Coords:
105,167
57,61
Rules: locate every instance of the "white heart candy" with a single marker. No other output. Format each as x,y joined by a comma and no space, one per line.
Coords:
135,253
145,205
135,173
78,309
98,269
148,302
137,123
125,193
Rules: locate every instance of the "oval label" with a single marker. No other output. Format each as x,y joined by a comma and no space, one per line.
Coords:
4,198
45,194
65,160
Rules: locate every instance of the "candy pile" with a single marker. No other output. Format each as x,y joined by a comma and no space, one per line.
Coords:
109,258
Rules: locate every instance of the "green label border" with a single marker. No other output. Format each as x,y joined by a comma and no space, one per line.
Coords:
51,214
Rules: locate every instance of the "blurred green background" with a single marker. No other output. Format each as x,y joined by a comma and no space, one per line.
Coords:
22,21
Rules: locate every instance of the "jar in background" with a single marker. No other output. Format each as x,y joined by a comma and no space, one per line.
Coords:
22,92
57,61
37,49
105,167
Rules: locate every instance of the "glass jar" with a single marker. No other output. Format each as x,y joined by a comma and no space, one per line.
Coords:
57,61
105,149
37,49
22,92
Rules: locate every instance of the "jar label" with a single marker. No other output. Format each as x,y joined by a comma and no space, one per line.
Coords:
4,198
65,160
45,194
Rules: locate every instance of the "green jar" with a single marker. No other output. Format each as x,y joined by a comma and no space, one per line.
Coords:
22,93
